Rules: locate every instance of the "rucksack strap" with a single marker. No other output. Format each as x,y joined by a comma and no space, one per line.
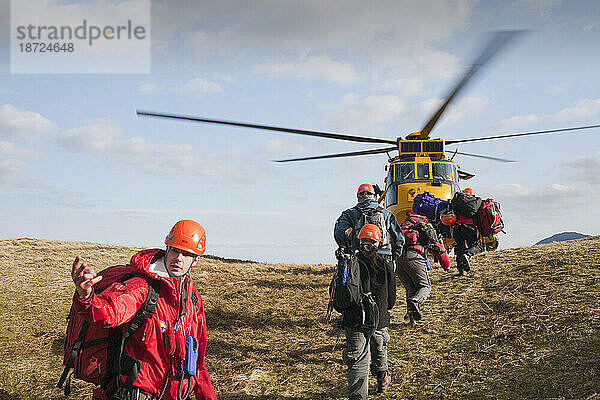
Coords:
71,362
127,365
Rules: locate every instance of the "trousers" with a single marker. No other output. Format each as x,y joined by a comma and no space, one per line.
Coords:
358,370
412,272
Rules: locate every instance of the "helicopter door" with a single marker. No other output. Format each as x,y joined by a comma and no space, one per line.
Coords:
398,174
391,188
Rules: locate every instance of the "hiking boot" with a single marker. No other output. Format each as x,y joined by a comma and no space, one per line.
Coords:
466,264
413,308
384,379
460,270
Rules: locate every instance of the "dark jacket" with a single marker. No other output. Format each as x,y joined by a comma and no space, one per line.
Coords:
382,285
351,217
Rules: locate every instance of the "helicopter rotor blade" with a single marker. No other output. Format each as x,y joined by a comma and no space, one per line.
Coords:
330,135
497,42
522,134
351,154
481,156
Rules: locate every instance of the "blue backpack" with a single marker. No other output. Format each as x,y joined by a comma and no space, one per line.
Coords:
428,205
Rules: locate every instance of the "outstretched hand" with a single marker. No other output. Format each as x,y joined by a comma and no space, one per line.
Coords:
84,278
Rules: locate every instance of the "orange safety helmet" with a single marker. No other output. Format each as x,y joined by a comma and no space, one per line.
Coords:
365,187
370,231
448,219
187,235
468,190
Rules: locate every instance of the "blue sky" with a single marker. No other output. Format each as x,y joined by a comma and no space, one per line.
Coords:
76,163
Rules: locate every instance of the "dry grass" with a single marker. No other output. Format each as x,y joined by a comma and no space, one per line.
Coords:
524,324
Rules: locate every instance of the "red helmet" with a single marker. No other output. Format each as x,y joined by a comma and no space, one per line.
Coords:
365,187
370,231
468,190
448,219
187,235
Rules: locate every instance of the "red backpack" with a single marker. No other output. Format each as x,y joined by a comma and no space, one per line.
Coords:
92,350
490,218
411,227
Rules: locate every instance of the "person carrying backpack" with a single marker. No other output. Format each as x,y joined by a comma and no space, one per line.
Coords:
465,234
367,335
420,238
367,210
164,357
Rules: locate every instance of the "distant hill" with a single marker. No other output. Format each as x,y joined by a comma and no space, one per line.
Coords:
561,237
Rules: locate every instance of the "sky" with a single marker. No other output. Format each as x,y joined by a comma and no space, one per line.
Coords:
77,164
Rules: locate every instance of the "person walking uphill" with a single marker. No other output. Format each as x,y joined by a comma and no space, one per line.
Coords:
165,356
420,238
466,236
368,211
362,344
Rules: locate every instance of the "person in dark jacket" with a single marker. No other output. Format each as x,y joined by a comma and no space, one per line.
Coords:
467,240
363,346
346,227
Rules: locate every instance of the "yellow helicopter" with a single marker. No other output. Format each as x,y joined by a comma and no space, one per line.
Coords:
421,164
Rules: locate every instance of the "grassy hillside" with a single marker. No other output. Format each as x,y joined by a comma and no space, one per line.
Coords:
525,323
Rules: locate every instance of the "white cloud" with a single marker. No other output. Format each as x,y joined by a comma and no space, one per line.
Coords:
540,6
197,86
163,158
518,122
298,26
158,157
353,113
96,135
148,88
560,88
554,196
582,109
585,168
591,27
12,170
16,122
280,149
10,149
311,67
585,108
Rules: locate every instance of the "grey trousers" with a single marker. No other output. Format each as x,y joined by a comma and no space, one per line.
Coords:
412,272
358,371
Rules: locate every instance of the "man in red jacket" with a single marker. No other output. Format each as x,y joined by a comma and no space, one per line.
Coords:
160,344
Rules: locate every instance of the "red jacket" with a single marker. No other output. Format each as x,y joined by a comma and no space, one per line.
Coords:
118,304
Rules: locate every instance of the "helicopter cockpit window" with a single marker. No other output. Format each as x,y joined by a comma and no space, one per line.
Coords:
423,171
405,172
442,171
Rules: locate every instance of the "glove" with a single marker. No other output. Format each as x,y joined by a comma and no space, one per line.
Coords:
339,253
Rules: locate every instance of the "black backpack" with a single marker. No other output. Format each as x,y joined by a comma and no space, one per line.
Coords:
345,287
347,291
465,204
375,217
